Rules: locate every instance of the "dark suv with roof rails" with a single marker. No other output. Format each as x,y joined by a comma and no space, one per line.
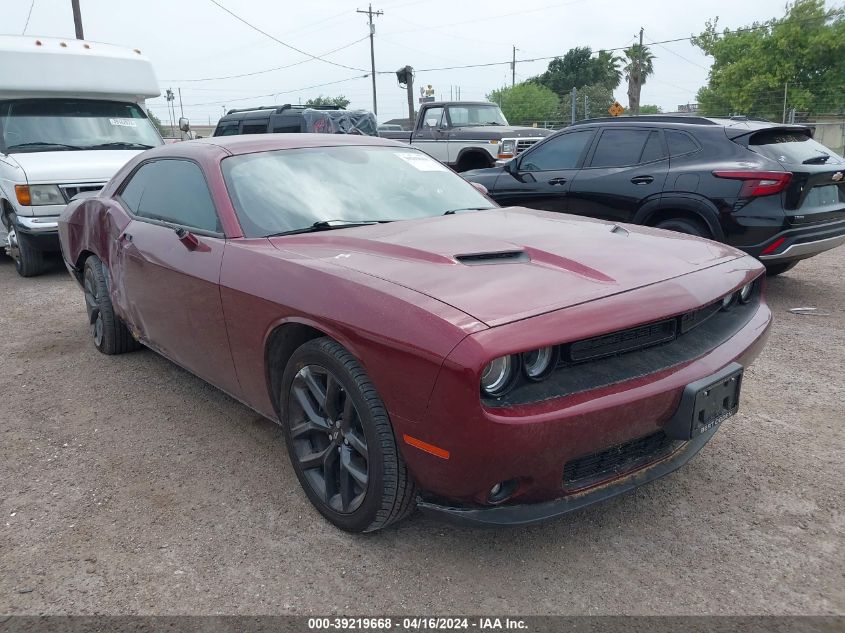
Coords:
296,119
766,188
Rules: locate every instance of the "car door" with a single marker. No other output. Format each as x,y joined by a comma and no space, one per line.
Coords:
169,259
541,176
626,168
433,134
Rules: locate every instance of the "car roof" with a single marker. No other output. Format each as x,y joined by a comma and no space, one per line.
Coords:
251,143
744,124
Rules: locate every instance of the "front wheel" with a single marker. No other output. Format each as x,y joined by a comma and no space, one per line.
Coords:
29,260
110,334
340,440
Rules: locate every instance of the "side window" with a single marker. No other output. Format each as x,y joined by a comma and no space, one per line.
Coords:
621,148
432,118
174,191
653,149
254,128
459,116
680,143
228,130
561,152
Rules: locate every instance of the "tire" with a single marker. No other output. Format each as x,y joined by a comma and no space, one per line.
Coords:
772,270
110,334
471,161
29,261
350,469
683,225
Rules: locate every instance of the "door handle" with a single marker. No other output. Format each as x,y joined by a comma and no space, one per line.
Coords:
642,180
557,181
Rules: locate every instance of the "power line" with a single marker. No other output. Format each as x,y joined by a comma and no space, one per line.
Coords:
285,44
268,70
28,15
283,92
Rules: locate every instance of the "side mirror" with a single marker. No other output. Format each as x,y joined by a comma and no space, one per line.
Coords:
480,188
184,124
512,165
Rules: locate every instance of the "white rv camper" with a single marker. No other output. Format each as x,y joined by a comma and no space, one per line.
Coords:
71,114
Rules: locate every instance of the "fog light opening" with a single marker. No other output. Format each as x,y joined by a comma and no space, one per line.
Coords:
502,490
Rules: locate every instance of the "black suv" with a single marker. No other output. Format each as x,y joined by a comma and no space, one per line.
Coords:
295,119
768,189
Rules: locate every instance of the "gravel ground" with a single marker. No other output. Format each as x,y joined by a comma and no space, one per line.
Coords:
129,486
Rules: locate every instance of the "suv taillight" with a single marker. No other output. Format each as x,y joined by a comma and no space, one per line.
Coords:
758,183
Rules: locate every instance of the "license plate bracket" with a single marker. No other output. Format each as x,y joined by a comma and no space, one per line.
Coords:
706,403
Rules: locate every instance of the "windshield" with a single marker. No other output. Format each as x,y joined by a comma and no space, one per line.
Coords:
38,125
474,115
793,148
289,190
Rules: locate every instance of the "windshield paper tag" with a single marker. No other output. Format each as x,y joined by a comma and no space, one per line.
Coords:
123,122
422,162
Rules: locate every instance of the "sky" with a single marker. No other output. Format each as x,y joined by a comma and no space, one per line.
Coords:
190,40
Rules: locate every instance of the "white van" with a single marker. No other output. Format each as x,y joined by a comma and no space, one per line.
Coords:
71,114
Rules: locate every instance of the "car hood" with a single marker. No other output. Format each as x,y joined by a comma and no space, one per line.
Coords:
508,264
72,166
497,132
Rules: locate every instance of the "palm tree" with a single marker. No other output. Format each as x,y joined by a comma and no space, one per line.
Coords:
638,68
610,73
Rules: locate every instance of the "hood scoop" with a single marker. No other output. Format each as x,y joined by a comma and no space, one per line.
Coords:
498,257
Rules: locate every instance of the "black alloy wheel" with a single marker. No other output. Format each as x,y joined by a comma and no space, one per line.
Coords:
328,440
341,441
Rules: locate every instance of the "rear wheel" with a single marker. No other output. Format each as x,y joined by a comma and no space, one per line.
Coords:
340,440
773,270
29,261
110,334
684,225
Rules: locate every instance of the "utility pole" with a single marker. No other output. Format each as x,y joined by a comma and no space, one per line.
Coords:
574,102
639,73
370,13
513,68
586,108
405,75
785,87
170,99
77,19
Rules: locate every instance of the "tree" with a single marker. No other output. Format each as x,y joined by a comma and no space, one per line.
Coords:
526,101
579,68
320,100
639,66
804,52
163,131
599,99
650,109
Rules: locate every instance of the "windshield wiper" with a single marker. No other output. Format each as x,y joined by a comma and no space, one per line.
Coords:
43,144
454,211
815,160
328,225
118,145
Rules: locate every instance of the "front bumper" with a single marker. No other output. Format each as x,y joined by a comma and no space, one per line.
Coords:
38,225
525,514
802,242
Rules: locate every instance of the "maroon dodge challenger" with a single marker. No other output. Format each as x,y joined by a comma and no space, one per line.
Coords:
418,345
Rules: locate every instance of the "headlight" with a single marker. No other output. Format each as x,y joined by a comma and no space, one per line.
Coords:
38,195
745,292
498,375
539,363
727,300
507,147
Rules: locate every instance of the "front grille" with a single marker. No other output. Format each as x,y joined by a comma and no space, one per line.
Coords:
616,460
623,341
523,144
69,191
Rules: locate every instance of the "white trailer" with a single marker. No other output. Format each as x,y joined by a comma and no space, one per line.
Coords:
71,114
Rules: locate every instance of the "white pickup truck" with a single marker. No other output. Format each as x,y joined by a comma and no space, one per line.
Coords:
467,134
71,114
